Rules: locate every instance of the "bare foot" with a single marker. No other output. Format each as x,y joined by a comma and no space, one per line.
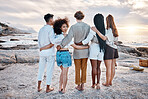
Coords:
93,86
105,84
49,90
60,90
63,91
39,89
110,84
78,87
98,86
82,86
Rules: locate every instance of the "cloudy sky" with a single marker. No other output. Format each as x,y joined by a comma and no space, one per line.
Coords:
128,13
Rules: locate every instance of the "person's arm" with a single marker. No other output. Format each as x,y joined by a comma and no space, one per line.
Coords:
78,47
101,35
68,38
53,38
116,41
39,44
46,47
89,37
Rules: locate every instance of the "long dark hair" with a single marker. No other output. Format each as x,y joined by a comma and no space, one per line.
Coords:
99,24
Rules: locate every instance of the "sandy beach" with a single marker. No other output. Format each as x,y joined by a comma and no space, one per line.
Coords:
19,80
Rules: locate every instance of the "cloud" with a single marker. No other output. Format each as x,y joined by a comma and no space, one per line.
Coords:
31,12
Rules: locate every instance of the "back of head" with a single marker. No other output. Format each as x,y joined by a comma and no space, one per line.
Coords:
79,15
99,24
48,16
111,24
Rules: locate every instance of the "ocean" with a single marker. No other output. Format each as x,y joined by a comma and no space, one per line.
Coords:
135,39
138,39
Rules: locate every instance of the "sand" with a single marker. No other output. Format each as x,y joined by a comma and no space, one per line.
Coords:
20,81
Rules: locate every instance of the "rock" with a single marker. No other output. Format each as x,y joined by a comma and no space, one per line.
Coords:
14,39
19,56
2,41
3,25
133,51
35,40
28,56
143,49
22,86
20,47
119,43
7,57
2,67
4,88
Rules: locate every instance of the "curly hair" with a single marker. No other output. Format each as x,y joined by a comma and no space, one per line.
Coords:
58,24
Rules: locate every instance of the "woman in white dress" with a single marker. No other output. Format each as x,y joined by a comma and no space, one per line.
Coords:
111,52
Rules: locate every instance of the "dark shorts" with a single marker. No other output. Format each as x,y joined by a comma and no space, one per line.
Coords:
110,53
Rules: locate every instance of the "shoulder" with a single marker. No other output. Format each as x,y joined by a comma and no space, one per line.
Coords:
85,24
47,28
74,25
60,36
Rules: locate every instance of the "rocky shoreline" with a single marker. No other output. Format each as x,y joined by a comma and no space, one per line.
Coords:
13,54
135,51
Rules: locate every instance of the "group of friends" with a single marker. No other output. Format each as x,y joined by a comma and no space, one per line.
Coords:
97,43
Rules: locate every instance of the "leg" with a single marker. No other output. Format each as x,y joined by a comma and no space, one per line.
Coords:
98,74
65,77
108,71
77,72
112,71
61,79
49,72
94,71
41,72
83,72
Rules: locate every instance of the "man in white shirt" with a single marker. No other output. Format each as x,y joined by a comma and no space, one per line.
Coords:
47,57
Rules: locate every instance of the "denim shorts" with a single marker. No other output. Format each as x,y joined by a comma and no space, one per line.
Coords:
63,58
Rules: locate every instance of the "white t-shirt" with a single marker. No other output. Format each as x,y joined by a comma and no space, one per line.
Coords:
60,37
110,38
46,36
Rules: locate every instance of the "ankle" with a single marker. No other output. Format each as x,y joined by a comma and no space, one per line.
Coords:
48,86
82,84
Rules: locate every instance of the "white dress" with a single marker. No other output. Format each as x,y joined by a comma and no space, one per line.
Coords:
94,50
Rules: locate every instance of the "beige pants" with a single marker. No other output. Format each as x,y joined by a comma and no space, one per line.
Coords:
80,64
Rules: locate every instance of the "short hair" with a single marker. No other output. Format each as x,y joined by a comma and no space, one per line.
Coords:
58,24
48,16
79,15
